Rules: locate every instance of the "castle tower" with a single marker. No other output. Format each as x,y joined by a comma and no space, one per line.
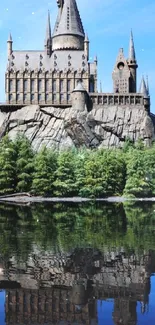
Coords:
68,32
121,74
9,45
132,64
49,76
144,90
48,39
79,97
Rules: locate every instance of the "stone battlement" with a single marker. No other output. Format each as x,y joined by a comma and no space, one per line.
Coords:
117,99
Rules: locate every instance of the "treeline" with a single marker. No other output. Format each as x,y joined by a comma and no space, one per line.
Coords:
129,171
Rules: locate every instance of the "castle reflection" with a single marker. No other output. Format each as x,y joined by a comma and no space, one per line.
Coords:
52,291
57,263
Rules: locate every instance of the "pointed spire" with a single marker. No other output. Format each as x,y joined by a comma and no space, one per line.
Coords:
86,38
48,29
69,20
147,86
143,88
10,37
132,54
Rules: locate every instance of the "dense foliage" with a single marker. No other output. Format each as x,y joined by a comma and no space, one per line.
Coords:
129,171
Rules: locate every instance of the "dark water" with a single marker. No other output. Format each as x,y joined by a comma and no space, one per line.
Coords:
77,264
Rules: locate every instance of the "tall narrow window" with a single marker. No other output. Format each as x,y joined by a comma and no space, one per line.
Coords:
47,85
39,97
25,84
61,85
68,85
32,85
68,97
32,97
10,85
25,97
91,86
54,85
39,84
61,98
54,97
10,97
18,85
18,97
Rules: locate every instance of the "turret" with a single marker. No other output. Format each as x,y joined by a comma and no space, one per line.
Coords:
143,90
86,46
9,45
79,97
132,64
121,74
48,39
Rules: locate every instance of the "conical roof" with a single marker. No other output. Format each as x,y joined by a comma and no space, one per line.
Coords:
132,54
143,88
79,87
69,21
48,28
10,38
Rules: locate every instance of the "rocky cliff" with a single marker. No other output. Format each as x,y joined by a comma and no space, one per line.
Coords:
102,126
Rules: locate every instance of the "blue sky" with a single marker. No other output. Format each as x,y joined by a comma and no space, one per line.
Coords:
107,22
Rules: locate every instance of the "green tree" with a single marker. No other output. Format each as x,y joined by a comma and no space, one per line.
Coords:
25,163
45,166
8,166
65,183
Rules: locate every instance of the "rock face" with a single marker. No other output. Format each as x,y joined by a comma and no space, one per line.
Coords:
102,126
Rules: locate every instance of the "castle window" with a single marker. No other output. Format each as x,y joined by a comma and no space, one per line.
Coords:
47,85
61,97
32,97
54,85
68,85
10,97
68,97
91,86
25,85
39,97
39,84
17,84
24,97
18,97
32,85
54,97
61,85
10,85
46,97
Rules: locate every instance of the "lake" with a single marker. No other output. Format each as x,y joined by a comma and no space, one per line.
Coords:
77,263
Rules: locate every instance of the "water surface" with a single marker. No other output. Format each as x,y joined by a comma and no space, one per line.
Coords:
86,263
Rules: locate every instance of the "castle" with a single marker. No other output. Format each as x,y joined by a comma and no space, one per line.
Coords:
49,76
52,95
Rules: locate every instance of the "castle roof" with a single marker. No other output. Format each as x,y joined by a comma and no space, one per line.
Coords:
69,21
132,54
79,87
143,88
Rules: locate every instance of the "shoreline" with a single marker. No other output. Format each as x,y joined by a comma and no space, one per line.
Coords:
25,198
